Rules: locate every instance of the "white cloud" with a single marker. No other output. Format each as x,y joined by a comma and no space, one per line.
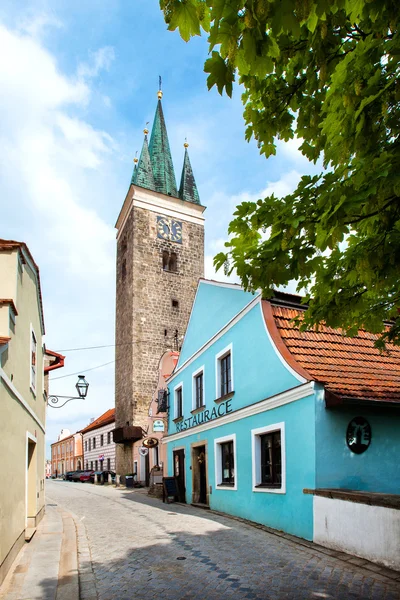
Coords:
35,25
99,60
52,169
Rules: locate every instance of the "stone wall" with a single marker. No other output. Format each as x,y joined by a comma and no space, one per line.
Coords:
147,323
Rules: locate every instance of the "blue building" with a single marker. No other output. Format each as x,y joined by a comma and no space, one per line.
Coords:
263,416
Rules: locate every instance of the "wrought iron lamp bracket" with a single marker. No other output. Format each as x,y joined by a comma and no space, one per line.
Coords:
54,400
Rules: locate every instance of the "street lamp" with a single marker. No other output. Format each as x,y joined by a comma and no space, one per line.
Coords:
81,387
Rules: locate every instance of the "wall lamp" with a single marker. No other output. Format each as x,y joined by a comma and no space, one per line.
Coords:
82,389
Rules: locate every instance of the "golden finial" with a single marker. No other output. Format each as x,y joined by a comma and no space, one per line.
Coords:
159,93
136,160
145,130
186,145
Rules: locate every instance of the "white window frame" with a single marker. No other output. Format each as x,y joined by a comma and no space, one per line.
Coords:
177,387
256,458
218,462
218,358
194,375
33,380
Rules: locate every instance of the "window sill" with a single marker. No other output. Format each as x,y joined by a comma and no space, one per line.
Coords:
224,398
226,486
269,489
177,420
200,409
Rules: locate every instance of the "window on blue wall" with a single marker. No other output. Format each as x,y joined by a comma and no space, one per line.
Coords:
228,464
178,403
226,375
198,387
225,462
271,459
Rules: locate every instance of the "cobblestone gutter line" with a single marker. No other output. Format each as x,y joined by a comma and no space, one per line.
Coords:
364,566
87,580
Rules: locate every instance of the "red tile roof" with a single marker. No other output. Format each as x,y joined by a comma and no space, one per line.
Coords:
349,367
57,363
104,419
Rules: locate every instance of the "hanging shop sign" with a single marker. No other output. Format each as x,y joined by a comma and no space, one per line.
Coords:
101,456
150,442
143,451
158,425
205,416
358,435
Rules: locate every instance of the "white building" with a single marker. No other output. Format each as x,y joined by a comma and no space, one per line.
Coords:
98,443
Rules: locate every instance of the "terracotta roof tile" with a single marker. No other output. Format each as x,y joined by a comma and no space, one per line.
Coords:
350,367
104,419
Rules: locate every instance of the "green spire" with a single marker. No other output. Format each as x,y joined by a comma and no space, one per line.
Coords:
143,171
160,155
188,188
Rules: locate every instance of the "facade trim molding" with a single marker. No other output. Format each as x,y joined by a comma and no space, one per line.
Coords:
280,349
286,397
216,336
20,399
156,202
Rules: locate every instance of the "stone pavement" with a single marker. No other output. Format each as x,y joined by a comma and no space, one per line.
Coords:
131,546
46,568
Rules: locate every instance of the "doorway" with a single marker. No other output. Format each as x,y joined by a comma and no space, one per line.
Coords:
145,469
179,472
199,470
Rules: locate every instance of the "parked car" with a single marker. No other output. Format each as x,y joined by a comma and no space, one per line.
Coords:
68,475
76,475
85,476
105,475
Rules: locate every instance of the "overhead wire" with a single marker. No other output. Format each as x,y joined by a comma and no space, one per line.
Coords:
83,371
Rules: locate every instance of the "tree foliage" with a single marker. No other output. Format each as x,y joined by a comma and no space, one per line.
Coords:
326,71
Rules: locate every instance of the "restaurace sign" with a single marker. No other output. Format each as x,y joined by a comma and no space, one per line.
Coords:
205,416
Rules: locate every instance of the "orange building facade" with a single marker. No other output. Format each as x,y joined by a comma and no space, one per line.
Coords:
66,453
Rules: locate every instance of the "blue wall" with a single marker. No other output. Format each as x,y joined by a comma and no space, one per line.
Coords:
214,307
291,512
258,374
377,469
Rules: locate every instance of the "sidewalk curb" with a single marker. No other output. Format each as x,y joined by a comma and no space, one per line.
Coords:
68,575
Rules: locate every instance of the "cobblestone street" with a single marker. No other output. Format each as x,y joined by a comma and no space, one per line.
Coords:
134,547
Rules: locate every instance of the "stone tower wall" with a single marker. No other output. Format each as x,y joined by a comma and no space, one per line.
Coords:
146,321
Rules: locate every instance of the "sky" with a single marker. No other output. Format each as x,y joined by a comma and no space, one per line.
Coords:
79,82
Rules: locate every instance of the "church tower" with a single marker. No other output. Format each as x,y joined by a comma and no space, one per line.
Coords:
160,257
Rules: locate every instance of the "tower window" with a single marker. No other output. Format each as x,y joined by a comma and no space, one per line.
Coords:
124,244
173,263
169,261
123,269
175,304
165,260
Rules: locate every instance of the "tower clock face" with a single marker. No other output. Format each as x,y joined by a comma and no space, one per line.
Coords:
169,229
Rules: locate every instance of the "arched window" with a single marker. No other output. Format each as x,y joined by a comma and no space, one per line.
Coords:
173,263
165,260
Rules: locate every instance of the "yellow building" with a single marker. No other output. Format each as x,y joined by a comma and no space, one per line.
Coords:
22,399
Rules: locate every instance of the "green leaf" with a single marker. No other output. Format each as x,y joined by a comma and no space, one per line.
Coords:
186,19
220,74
